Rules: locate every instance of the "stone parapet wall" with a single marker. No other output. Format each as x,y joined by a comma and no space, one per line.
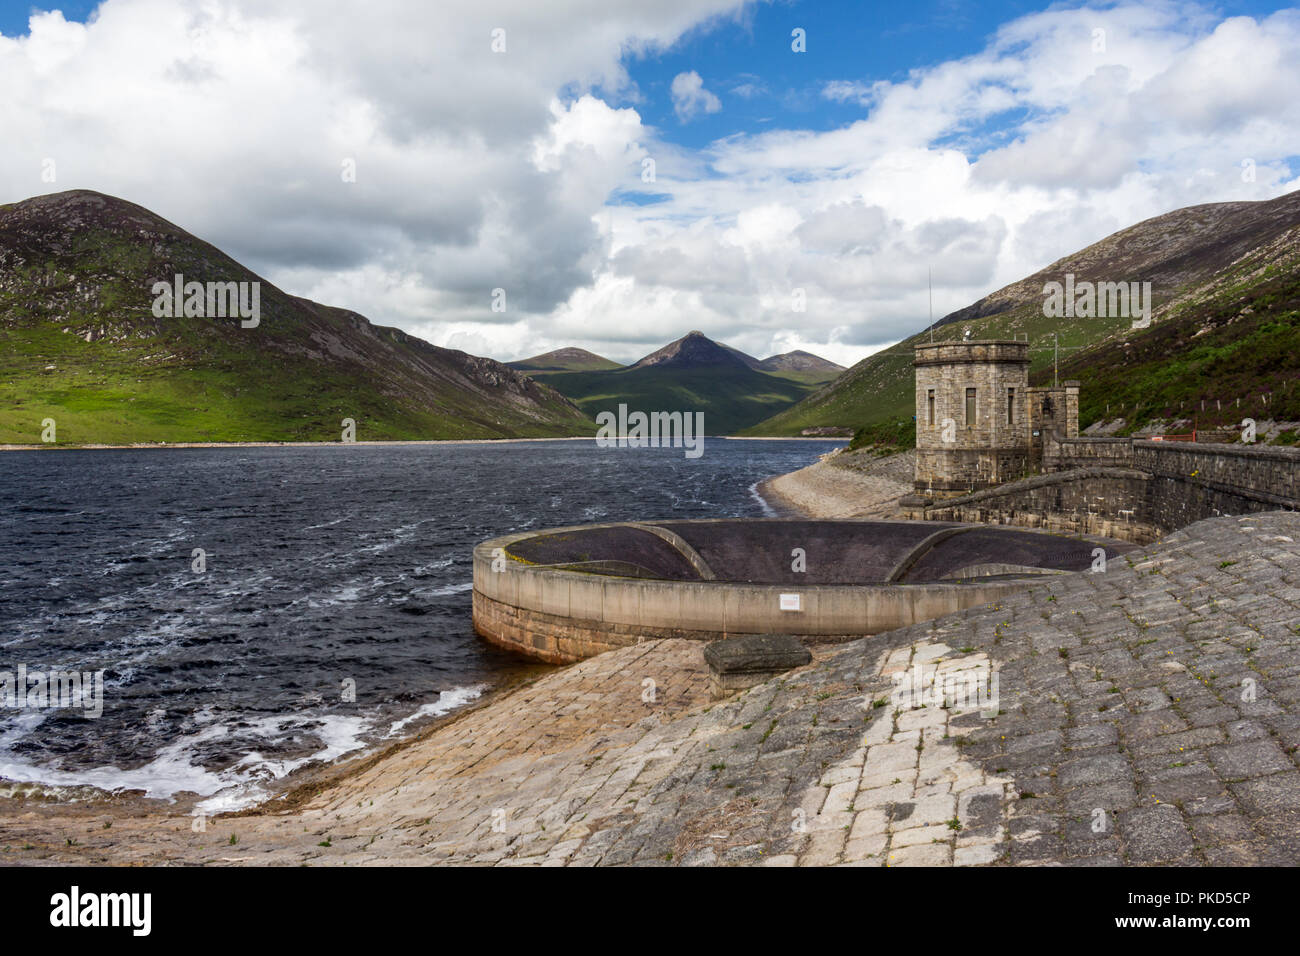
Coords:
1191,481
1067,453
1133,490
1263,470
976,352
1112,502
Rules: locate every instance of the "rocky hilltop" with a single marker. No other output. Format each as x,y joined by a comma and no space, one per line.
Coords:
800,361
1186,247
696,350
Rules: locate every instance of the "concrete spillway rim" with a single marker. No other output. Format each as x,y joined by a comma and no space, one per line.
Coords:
682,547
484,550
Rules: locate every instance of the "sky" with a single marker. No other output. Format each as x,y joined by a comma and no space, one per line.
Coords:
512,177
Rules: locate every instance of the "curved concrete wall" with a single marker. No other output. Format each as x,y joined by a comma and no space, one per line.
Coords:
563,616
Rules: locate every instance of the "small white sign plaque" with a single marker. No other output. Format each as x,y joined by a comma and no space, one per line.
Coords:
790,602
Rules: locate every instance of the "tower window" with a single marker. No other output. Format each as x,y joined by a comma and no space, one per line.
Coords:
1011,406
970,408
929,407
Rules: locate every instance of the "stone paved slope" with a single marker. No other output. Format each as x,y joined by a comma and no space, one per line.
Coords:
1146,714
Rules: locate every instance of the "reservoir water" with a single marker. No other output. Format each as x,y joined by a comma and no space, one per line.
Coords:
255,609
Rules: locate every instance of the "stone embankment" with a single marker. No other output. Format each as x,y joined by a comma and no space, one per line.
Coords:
1148,713
849,484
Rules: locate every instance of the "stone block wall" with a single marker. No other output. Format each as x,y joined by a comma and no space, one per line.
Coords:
1191,481
1053,415
1112,502
984,451
1064,454
1134,490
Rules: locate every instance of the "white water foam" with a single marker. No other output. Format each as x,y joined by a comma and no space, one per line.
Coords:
768,510
434,566
447,701
245,783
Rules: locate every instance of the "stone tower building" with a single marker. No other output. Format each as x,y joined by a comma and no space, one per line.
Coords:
978,423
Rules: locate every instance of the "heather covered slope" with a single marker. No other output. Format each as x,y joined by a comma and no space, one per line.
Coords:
79,343
1224,351
1220,248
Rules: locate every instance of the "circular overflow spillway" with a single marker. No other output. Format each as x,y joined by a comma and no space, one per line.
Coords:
565,594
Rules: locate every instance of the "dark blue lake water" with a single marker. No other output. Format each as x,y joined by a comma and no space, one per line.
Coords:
323,565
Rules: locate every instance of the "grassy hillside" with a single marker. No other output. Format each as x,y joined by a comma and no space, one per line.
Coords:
1227,351
1180,253
731,397
805,376
79,343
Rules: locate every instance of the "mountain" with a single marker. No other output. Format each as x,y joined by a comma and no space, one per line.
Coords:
697,350
803,366
1226,350
1189,256
80,343
692,374
564,360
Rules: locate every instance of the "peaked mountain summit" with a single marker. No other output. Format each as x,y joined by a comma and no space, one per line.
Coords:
802,365
696,350
697,374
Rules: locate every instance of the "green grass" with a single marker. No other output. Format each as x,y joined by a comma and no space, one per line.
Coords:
295,377
731,398
1229,351
1239,342
100,392
886,437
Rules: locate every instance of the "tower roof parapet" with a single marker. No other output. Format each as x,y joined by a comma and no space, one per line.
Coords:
982,351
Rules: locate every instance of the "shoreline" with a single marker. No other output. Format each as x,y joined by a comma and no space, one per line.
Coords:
99,446
286,791
577,766
386,793
293,817
842,484
56,802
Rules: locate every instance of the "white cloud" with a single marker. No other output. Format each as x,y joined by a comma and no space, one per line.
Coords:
690,98
748,86
478,170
